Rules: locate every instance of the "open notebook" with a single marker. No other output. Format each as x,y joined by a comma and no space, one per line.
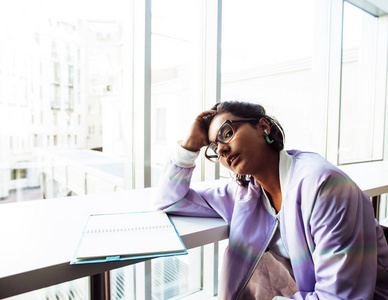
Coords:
123,236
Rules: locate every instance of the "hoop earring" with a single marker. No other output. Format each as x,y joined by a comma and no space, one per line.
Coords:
267,138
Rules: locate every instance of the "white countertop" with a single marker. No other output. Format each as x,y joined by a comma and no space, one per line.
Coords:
371,177
39,238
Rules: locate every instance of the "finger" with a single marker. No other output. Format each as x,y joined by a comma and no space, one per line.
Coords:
206,112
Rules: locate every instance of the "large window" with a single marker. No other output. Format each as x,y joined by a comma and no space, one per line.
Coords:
94,95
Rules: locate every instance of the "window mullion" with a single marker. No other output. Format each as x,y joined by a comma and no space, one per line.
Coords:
142,94
334,83
212,71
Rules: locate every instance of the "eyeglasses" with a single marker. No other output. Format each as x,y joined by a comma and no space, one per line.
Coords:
225,135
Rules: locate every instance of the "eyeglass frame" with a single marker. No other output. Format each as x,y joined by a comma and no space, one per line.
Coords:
230,122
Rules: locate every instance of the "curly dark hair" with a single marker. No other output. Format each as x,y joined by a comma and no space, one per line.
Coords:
250,110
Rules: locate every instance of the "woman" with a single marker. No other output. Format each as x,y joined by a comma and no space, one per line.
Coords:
294,205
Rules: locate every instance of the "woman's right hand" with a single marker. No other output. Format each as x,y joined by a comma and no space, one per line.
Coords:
198,137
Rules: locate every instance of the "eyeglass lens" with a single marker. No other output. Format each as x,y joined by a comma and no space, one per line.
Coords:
225,134
211,152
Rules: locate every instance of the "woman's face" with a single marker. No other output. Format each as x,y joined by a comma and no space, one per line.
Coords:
247,152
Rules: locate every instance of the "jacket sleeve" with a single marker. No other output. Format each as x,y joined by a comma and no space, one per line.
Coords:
208,199
342,227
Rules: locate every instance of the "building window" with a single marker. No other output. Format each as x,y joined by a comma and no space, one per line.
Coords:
55,96
54,50
18,174
68,52
70,75
70,98
56,72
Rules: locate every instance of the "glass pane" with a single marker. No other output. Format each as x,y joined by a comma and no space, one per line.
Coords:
64,77
176,75
176,276
271,57
64,92
383,210
122,283
362,103
176,97
75,290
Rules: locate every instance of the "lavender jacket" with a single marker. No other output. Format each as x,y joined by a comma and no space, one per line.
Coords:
336,248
